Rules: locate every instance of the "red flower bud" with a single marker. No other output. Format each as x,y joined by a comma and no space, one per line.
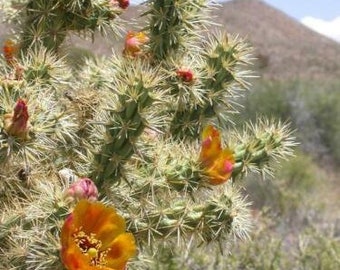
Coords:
185,74
121,3
16,123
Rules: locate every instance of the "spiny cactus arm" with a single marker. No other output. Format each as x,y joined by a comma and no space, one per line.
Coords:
222,77
211,220
29,232
47,126
47,23
136,103
261,144
173,24
163,166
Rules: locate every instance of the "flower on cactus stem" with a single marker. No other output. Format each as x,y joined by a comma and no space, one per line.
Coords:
218,163
93,237
211,145
134,42
16,123
10,49
185,74
83,189
121,3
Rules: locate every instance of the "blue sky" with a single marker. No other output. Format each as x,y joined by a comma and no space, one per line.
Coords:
322,9
323,16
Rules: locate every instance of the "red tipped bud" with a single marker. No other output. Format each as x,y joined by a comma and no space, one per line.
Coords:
185,74
121,3
16,123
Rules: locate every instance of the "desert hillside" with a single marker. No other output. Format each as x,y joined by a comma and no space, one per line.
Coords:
285,48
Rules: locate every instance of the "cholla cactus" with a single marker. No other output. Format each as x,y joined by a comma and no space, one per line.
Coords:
145,132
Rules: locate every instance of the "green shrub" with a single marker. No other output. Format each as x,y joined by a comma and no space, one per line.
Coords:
292,189
312,107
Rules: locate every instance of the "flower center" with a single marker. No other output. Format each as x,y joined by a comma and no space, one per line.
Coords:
90,246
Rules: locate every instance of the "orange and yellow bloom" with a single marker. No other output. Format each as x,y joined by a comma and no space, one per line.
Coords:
94,237
134,42
218,163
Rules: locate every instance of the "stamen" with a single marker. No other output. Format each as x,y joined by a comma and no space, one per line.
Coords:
90,246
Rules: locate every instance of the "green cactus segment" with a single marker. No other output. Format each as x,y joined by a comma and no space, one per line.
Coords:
221,61
270,141
224,57
48,22
122,132
172,23
184,178
138,93
170,167
220,77
210,221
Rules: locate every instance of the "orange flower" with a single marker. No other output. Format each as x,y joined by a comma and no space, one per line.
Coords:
10,49
16,123
211,145
134,42
218,163
221,169
93,237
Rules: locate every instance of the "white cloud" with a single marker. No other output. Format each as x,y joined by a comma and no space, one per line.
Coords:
330,29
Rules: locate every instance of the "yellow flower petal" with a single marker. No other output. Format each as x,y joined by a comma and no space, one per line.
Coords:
122,248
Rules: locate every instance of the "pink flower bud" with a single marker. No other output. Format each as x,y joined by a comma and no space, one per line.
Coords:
83,188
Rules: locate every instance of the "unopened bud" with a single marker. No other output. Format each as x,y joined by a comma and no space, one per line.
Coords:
16,123
185,74
121,3
83,188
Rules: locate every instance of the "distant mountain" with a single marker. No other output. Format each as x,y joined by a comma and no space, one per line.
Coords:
285,48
